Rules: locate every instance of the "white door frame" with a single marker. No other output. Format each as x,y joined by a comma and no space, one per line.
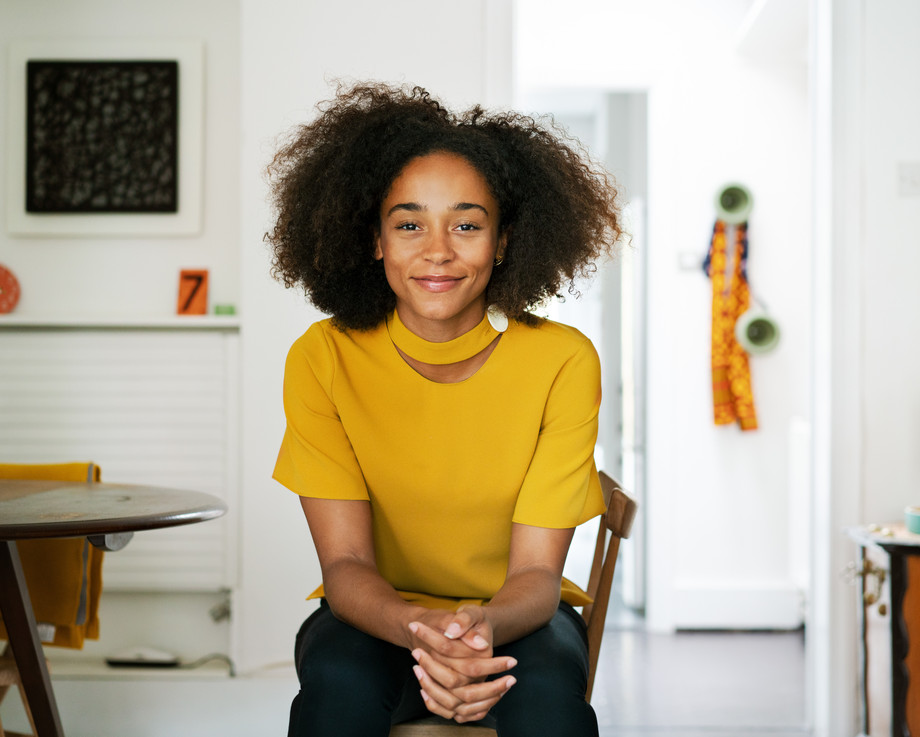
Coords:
837,62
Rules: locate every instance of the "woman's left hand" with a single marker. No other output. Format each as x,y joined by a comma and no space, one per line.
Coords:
471,626
463,646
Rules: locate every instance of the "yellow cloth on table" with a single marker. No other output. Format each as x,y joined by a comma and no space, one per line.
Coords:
732,396
63,576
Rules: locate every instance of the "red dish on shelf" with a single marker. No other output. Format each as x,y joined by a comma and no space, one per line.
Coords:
9,290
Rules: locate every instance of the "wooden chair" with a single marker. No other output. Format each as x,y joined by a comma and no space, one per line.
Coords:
9,677
66,634
618,520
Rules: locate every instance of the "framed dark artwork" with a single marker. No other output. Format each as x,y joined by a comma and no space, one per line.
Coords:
102,136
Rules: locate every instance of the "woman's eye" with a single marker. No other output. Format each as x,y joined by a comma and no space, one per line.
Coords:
407,226
468,226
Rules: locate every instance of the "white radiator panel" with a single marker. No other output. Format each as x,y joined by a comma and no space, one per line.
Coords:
155,407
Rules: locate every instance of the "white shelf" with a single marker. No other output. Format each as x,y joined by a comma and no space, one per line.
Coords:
120,322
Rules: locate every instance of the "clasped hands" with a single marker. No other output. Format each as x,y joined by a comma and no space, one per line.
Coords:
454,655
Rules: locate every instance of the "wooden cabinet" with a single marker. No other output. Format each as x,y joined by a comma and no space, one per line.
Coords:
888,572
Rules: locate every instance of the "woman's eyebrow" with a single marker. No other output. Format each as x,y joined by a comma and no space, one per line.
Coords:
416,207
410,206
460,206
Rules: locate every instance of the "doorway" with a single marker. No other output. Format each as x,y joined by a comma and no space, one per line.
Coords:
609,309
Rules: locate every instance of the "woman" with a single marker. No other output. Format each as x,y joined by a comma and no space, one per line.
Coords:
439,435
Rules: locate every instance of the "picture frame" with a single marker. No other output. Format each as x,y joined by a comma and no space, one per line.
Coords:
183,217
102,136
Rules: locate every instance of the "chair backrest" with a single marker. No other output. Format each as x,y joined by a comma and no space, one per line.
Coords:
617,521
615,525
51,471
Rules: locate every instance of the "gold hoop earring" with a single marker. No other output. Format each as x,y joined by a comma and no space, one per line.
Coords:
498,261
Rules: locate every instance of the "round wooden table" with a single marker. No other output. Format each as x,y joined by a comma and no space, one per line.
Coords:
106,514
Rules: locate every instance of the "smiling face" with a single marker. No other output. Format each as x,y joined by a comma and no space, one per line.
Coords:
438,239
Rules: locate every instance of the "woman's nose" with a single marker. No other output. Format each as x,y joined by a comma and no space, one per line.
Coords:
438,247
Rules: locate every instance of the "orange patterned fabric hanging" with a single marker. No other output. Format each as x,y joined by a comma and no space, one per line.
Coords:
733,399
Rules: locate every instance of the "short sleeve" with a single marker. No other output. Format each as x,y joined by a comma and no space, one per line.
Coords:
561,488
316,457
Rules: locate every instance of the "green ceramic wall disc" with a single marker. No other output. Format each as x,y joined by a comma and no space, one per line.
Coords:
734,203
756,332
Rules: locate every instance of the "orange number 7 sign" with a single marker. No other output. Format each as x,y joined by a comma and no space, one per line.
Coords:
193,292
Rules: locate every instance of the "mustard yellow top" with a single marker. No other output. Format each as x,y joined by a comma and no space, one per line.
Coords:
446,467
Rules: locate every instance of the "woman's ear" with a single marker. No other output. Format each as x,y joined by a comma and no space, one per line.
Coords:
378,251
502,244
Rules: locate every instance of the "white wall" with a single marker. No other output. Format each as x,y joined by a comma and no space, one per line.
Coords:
718,504
124,276
891,260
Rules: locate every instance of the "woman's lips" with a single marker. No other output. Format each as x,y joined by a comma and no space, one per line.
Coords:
437,283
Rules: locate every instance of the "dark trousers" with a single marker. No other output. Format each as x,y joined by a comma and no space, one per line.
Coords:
354,685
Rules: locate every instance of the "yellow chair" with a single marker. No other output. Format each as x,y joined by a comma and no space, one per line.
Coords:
618,520
63,576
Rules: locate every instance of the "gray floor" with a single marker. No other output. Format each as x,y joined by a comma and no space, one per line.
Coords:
699,684
691,684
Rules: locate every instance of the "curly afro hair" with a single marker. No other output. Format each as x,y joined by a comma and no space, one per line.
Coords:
330,177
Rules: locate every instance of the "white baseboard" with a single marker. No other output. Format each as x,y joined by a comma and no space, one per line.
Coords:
737,605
